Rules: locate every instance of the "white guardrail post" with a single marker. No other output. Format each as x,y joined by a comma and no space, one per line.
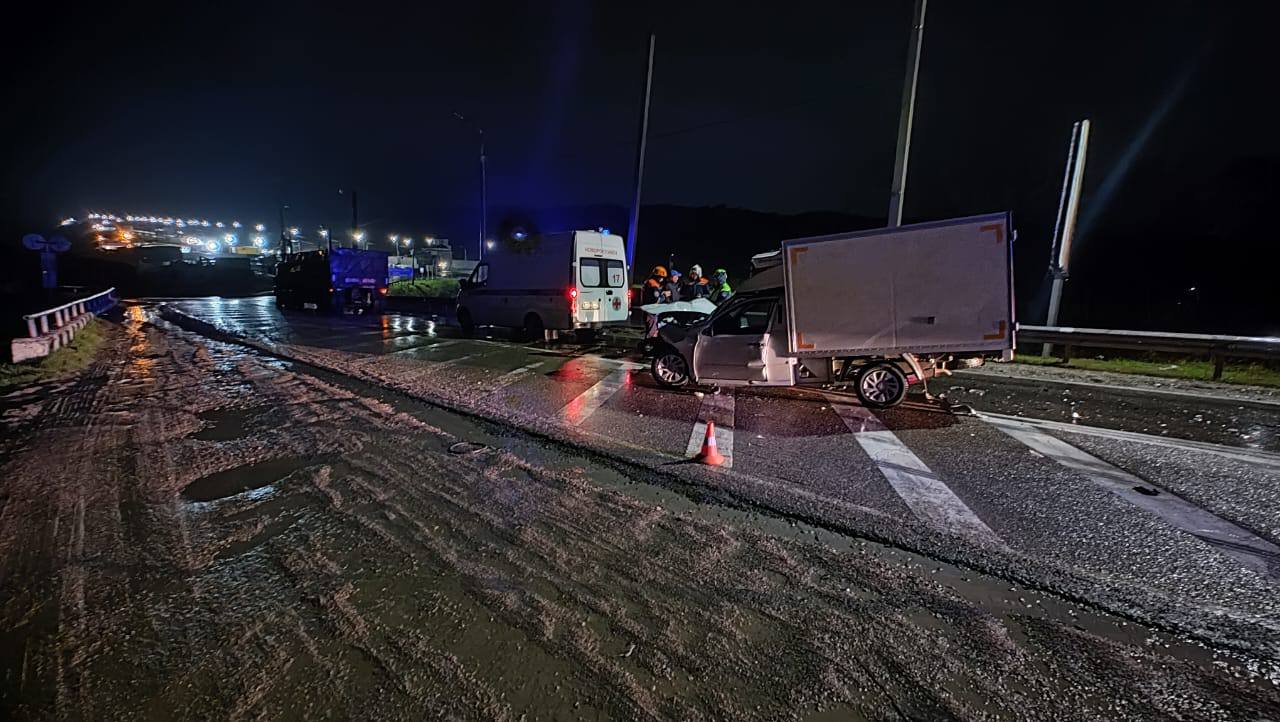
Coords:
67,320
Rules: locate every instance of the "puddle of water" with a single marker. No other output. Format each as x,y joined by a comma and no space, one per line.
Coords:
257,478
225,424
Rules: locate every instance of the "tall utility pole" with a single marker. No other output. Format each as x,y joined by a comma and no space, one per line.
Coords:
355,217
286,246
634,222
899,189
1064,227
484,187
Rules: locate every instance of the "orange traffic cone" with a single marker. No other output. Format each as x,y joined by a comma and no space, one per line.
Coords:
710,455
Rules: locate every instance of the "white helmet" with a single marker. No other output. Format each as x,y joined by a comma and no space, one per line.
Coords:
695,270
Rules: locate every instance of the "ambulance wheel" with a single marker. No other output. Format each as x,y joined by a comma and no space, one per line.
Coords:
533,329
881,385
669,368
466,323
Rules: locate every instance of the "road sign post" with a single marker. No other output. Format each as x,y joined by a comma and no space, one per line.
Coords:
48,258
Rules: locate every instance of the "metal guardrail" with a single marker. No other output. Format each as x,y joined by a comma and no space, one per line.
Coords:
1217,349
53,328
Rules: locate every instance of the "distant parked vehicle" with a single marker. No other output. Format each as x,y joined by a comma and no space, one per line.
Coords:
338,279
549,283
879,309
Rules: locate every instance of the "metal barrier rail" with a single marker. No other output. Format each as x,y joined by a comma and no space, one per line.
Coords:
45,337
1216,348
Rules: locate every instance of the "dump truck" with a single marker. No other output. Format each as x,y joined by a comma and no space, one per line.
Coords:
879,310
336,279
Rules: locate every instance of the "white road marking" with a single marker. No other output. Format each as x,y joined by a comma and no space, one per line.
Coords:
515,375
1207,395
923,491
718,408
424,347
1256,457
586,403
1242,545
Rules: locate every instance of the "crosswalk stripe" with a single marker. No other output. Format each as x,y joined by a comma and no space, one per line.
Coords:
514,375
923,491
1256,457
718,408
1241,544
586,403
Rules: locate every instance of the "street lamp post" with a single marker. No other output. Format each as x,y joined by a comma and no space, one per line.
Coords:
484,190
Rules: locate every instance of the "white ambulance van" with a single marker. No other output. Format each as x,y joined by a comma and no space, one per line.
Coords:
547,283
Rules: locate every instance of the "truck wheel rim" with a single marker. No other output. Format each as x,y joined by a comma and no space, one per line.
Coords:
671,367
880,386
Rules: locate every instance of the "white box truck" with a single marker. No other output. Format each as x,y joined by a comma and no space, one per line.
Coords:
879,309
547,283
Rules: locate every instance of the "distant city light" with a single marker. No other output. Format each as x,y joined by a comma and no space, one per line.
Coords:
489,244
230,238
407,240
259,241
67,221
235,224
220,224
259,228
358,235
393,237
293,232
204,223
211,246
324,232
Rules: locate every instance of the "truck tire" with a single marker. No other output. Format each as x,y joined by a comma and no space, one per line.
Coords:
534,330
669,368
881,385
466,323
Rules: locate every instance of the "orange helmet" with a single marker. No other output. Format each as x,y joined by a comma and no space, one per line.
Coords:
659,271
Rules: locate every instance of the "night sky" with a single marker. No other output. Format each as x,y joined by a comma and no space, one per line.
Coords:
228,110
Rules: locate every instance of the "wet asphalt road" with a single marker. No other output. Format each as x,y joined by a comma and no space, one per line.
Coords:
241,537
1167,507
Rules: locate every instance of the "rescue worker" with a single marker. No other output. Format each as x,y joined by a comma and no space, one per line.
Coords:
694,285
653,293
671,289
720,288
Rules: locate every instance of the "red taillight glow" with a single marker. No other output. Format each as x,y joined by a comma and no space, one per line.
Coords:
573,293
383,290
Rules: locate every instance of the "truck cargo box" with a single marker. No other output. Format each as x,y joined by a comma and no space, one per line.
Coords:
925,288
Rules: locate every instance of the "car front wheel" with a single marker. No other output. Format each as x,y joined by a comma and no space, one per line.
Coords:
670,368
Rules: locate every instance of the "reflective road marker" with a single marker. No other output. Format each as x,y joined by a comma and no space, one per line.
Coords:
1238,543
923,491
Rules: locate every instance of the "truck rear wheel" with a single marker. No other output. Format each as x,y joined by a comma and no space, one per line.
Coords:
881,385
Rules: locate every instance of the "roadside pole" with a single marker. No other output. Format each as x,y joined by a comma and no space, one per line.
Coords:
1064,228
899,189
634,222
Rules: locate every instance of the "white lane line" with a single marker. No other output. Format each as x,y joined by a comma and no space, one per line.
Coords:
515,375
586,403
424,347
1256,457
718,408
923,491
1241,544
1207,395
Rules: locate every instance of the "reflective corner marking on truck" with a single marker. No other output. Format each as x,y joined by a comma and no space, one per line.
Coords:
1002,327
